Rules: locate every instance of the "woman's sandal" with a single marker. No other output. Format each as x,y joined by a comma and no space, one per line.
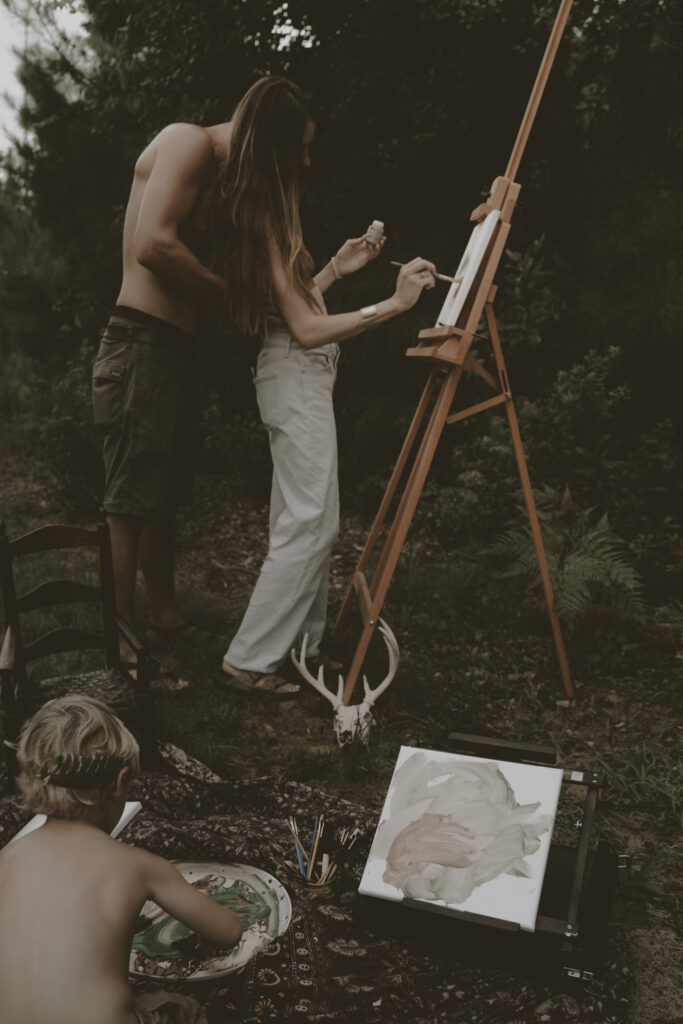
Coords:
266,683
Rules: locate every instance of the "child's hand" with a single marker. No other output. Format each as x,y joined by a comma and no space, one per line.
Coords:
205,948
194,947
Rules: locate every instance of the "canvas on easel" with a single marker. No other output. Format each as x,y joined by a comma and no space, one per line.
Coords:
469,834
467,269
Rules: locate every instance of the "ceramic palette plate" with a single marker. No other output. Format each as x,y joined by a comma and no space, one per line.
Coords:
262,903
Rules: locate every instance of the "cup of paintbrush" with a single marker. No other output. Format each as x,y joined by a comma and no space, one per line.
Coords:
317,857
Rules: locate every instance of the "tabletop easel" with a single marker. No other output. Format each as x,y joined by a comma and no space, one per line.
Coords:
447,347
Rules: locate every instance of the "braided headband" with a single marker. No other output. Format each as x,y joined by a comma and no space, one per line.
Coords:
81,771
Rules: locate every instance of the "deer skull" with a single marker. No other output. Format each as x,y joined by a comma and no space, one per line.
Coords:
355,720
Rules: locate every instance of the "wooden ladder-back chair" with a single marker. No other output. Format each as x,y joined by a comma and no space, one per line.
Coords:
113,683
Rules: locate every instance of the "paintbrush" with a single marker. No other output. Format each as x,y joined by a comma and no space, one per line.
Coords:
339,855
439,277
319,825
297,845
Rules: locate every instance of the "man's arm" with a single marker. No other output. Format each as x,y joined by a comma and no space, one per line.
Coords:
184,165
166,886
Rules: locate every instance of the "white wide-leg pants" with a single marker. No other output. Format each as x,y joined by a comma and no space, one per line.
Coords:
294,391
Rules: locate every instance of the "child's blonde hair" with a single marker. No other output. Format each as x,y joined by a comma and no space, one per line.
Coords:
70,754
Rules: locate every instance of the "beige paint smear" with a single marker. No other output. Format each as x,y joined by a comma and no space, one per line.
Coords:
468,829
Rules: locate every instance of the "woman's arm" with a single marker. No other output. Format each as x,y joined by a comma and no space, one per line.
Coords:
313,328
325,277
353,255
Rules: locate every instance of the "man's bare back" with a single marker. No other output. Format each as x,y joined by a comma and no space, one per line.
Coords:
70,897
143,427
166,219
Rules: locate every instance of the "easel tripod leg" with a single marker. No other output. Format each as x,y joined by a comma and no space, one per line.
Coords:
414,487
404,514
530,503
389,493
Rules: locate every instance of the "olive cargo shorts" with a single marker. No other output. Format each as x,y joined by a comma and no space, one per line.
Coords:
140,406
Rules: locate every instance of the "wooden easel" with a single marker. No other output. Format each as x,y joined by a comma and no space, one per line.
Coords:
447,348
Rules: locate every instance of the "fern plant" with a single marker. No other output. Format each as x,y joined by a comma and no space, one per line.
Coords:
588,562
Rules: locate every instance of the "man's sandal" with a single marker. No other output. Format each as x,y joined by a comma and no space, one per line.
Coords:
267,684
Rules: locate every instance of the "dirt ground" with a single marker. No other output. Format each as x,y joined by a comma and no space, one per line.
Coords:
486,670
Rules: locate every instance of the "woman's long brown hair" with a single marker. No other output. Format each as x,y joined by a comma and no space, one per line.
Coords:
260,190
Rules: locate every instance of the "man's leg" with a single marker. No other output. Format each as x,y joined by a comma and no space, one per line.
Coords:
156,557
125,536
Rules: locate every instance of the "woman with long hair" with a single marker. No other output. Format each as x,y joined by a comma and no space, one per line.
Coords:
271,291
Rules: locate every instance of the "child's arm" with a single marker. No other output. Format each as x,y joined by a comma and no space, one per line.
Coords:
212,922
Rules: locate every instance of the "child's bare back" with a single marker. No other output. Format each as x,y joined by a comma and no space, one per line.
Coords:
70,898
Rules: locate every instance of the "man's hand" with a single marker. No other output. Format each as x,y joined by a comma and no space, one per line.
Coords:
355,253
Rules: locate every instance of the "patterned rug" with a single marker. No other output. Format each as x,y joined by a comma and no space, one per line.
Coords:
335,964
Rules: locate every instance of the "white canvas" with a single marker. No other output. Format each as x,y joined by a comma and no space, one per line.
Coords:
469,833
467,269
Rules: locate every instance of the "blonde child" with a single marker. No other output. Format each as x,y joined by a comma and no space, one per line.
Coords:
70,895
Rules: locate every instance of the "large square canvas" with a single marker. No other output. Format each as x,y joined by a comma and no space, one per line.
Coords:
467,833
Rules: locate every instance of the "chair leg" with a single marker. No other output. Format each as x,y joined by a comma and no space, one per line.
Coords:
10,730
149,736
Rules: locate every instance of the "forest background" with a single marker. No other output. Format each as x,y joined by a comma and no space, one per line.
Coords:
416,115
417,107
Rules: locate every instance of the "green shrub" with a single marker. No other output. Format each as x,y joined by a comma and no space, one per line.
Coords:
588,562
69,440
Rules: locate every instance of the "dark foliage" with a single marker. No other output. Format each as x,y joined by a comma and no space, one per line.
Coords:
417,109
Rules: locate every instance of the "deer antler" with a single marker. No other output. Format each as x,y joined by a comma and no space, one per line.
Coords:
319,682
391,644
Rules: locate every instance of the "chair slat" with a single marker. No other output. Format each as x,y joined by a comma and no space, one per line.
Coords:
53,538
56,592
60,640
20,696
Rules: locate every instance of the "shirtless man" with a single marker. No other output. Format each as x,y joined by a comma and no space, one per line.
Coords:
140,377
71,895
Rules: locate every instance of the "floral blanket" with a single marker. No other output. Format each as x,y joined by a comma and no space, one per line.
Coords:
335,964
